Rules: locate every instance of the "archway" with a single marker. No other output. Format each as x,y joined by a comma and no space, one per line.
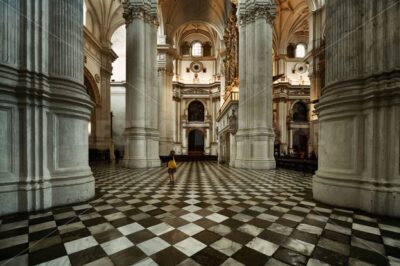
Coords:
196,112
196,142
300,140
300,112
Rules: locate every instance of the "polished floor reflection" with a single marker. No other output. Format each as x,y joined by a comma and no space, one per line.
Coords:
213,215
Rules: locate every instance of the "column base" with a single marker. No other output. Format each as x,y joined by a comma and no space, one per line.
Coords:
142,148
369,195
254,150
38,196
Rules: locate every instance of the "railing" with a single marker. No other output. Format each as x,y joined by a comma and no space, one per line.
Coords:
233,96
306,166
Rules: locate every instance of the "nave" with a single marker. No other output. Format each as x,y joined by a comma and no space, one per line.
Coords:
214,215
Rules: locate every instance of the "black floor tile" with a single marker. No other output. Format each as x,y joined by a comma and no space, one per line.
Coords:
47,254
368,256
87,255
330,257
128,256
246,256
290,257
209,257
169,257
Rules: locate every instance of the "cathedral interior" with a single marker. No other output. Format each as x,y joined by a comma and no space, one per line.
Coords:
284,116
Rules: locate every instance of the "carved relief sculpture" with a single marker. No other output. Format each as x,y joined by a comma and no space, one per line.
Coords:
231,61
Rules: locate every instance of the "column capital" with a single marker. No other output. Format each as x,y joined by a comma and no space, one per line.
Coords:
248,13
142,10
265,11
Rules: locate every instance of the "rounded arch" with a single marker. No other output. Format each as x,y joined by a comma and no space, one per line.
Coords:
181,27
301,50
197,48
91,87
118,44
196,111
193,100
299,111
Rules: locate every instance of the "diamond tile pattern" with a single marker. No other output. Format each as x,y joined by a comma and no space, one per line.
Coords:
213,215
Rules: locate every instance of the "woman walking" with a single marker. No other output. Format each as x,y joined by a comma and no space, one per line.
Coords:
171,167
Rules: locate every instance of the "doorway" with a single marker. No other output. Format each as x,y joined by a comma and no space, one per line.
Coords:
196,143
300,141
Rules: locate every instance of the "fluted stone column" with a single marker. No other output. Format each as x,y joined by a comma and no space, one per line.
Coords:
103,112
44,107
255,137
359,111
167,104
142,95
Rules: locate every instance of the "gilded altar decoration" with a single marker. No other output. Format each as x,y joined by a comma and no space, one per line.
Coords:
231,61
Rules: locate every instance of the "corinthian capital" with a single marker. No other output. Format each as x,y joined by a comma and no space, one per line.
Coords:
142,10
248,12
132,12
265,10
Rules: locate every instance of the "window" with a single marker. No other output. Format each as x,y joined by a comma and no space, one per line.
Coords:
196,111
300,112
185,49
196,49
207,49
300,50
290,51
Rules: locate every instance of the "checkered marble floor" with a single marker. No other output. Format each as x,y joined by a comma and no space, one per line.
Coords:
213,215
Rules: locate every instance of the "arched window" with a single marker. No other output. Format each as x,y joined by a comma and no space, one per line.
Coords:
300,112
196,111
290,50
300,50
185,49
196,49
207,49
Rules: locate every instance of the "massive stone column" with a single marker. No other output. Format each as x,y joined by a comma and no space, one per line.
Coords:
255,137
167,104
44,107
142,95
359,111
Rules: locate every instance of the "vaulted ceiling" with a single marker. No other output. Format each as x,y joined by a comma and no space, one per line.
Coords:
291,24
103,17
176,13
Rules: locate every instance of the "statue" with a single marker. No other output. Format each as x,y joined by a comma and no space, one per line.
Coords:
233,123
